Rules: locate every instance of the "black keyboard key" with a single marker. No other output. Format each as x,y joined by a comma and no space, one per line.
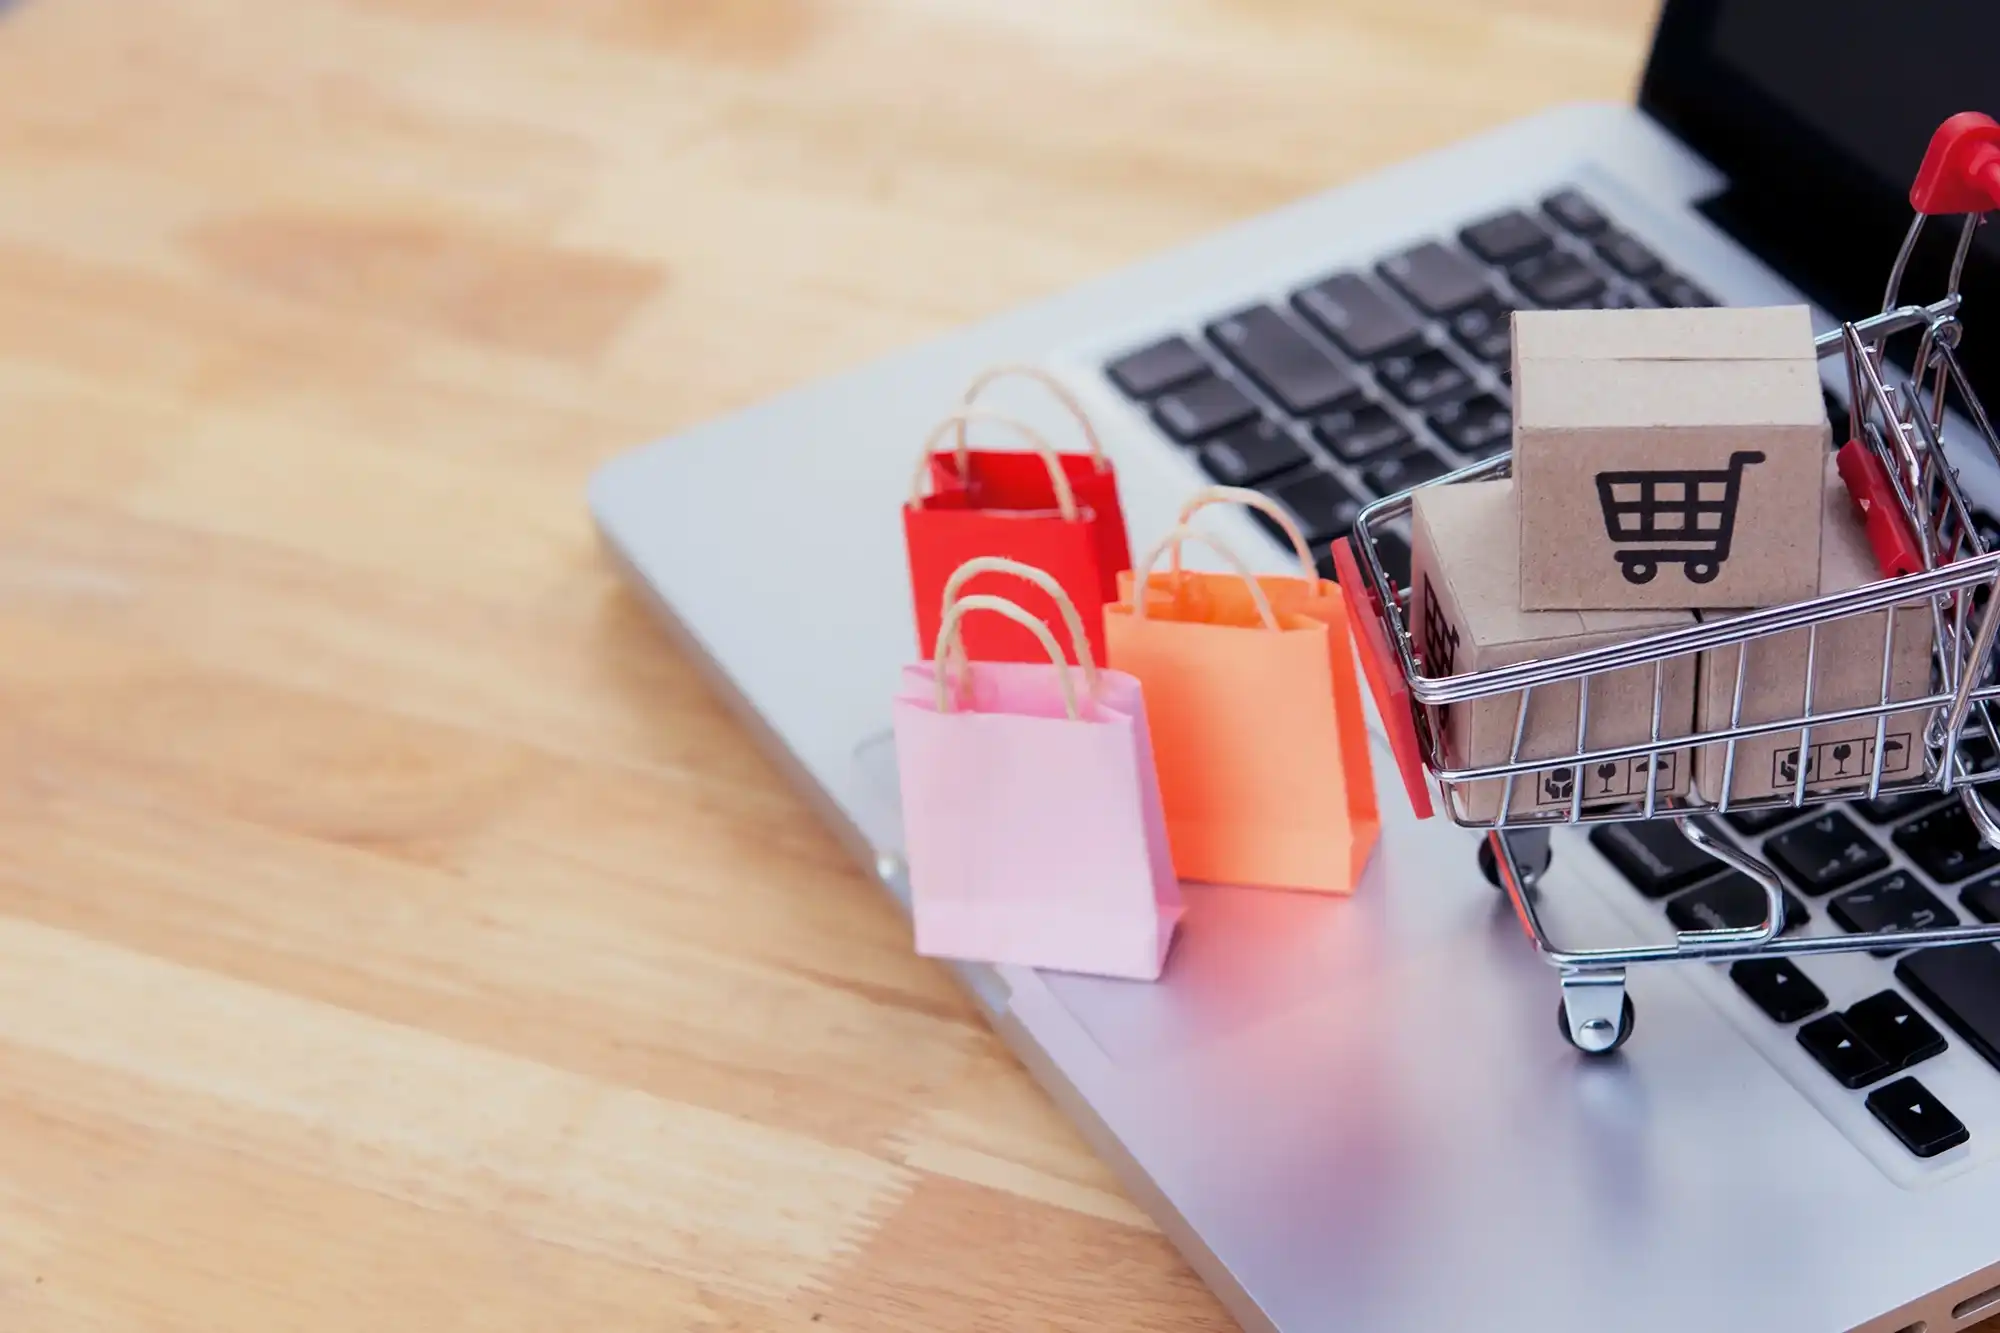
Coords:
1731,902
1202,408
1399,472
1920,1120
1557,280
1627,254
1982,899
1654,856
1961,985
1359,316
1894,1030
1439,279
1674,290
1284,363
1776,986
1843,1054
1763,819
1896,901
1360,431
1324,507
1889,809
1506,237
1983,521
1395,553
1249,454
1485,330
1826,853
1150,370
1575,212
1480,427
1423,377
1616,298
1946,844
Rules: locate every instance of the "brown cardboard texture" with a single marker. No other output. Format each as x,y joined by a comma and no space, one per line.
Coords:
1847,673
1667,458
1466,615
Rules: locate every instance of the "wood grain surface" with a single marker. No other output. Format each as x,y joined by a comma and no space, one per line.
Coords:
393,932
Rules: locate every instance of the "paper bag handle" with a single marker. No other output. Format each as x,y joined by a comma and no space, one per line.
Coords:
948,635
1174,540
1065,497
1055,388
998,564
1243,495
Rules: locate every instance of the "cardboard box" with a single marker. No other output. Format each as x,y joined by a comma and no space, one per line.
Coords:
1466,616
1667,458
1847,673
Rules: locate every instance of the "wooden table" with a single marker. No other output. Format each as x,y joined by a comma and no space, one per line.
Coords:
393,932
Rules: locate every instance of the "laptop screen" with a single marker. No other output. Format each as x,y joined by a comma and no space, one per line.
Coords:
1874,79
1819,111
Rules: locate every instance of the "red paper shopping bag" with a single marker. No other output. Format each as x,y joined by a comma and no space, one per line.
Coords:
1256,719
1096,490
1056,512
1031,809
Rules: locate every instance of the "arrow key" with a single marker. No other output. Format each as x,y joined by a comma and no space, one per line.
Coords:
1777,987
1842,1053
1917,1118
1897,1032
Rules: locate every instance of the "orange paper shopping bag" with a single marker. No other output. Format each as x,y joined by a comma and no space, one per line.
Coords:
1256,718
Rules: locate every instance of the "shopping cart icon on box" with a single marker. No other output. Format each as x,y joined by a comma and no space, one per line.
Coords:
1440,646
1674,517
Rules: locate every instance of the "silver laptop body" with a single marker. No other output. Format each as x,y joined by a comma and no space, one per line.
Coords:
1348,1114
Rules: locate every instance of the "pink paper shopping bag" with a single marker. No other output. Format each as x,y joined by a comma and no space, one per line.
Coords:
1031,812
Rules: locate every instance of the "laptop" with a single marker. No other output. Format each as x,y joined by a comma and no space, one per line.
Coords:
1360,1113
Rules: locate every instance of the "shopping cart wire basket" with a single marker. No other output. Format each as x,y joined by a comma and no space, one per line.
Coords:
1902,430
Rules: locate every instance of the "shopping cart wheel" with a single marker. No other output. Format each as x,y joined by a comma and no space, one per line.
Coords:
1702,571
1531,853
1638,569
1595,1014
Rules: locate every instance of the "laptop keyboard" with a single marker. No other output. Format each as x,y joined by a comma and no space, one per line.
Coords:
1825,855
1364,383
1367,383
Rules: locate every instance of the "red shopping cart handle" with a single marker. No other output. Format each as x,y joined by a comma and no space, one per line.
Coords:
1961,170
1896,549
1385,675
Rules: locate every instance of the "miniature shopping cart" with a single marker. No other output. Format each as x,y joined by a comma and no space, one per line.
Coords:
1673,517
1903,431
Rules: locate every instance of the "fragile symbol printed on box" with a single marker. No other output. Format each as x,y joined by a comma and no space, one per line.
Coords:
1611,779
1681,516
1833,761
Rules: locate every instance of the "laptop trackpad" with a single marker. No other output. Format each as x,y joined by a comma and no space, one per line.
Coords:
1244,957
